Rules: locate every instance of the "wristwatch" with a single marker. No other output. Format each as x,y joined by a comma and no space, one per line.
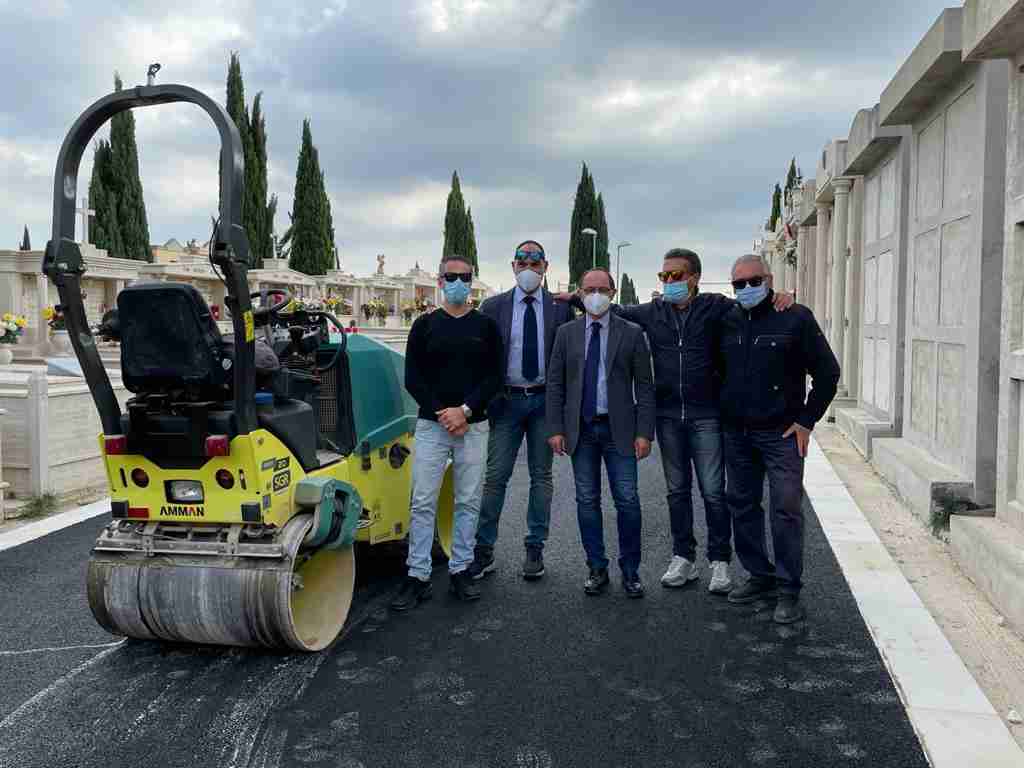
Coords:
467,411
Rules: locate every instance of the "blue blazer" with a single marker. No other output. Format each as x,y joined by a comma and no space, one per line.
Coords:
499,308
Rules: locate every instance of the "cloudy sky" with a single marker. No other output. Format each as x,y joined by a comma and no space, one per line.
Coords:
686,113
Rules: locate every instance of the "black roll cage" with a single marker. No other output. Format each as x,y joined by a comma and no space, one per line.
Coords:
64,265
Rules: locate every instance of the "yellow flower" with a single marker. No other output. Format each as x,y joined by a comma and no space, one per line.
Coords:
8,317
48,313
21,322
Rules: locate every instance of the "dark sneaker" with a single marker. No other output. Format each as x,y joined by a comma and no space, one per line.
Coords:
483,563
632,585
596,582
461,585
789,610
413,591
753,591
533,566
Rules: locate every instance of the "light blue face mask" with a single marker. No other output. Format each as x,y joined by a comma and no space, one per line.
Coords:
456,293
676,293
751,296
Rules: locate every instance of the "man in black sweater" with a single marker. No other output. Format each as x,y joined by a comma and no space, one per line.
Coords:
764,358
452,369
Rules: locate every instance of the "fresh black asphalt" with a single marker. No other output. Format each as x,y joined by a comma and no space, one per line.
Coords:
535,675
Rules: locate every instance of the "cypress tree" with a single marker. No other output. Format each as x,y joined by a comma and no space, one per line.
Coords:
776,208
311,230
259,214
627,291
584,215
105,227
131,205
456,225
603,257
471,241
26,244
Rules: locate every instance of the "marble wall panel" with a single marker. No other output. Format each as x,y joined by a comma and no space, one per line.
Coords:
929,169
957,257
962,151
922,386
949,400
926,278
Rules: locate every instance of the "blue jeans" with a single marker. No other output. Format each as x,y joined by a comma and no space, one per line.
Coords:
435,447
698,441
749,455
520,416
595,443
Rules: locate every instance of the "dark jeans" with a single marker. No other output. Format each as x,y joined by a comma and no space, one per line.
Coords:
595,443
519,416
696,441
748,456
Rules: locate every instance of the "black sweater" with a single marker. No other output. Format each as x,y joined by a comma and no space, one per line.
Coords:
453,360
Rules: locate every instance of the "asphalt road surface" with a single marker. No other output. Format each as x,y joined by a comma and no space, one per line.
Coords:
535,675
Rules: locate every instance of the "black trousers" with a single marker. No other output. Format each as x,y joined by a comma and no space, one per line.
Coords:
749,456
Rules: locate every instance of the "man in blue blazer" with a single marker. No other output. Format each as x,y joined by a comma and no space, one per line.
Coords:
528,318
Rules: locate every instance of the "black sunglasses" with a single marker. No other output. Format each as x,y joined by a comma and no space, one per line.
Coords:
533,257
451,277
753,282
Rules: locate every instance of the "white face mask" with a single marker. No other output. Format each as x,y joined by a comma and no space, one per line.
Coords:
528,280
596,303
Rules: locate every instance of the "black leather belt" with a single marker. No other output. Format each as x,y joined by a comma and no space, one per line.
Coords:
525,390
601,418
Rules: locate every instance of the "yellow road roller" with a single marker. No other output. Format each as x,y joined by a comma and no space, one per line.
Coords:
244,466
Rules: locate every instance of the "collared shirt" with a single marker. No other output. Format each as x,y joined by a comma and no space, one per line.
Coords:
602,379
515,342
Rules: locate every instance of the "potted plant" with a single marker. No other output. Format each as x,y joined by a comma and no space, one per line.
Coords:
408,310
12,326
58,329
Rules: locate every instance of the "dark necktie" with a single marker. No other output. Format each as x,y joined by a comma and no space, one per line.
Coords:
530,371
590,374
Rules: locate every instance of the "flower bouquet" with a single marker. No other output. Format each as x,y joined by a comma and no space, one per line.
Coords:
12,326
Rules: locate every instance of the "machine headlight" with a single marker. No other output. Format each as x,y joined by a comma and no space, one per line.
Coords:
185,491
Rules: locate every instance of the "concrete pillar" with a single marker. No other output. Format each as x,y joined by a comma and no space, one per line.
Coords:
821,262
840,222
805,262
38,434
854,294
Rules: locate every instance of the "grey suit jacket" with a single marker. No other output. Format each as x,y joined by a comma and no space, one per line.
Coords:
631,409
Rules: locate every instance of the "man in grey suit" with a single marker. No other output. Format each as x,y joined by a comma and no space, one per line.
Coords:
528,319
601,407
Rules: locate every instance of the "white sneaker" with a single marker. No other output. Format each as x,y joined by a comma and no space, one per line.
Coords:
721,583
680,571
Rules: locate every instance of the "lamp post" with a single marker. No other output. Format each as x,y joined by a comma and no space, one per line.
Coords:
618,258
593,240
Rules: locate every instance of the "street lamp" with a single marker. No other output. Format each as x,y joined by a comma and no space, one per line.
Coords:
593,235
618,257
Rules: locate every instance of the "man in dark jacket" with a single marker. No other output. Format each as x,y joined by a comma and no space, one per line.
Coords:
528,318
767,415
682,328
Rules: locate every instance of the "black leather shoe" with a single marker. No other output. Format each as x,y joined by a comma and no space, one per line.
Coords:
789,609
483,563
533,566
632,585
753,591
413,592
462,586
596,582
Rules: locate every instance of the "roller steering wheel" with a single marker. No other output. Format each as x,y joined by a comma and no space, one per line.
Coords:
263,314
342,347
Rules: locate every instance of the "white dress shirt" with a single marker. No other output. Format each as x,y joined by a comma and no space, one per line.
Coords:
515,343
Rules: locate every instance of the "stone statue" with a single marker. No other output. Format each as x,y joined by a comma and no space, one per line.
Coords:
380,264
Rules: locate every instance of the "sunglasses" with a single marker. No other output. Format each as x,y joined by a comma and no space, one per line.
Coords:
674,276
532,257
753,282
451,277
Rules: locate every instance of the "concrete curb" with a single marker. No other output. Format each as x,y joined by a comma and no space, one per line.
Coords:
35,530
955,722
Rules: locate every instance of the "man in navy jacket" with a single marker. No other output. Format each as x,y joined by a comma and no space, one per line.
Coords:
528,318
765,358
